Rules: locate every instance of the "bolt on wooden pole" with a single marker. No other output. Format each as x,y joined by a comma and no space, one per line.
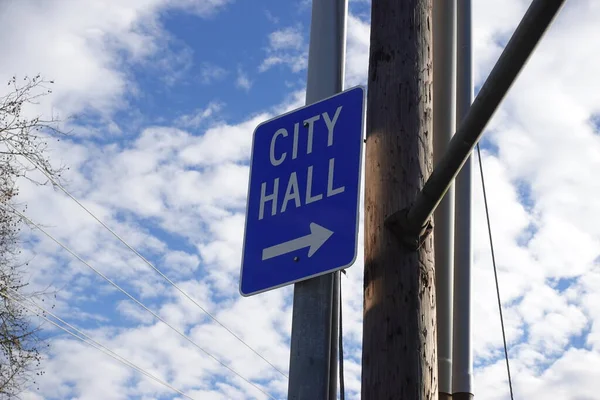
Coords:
399,332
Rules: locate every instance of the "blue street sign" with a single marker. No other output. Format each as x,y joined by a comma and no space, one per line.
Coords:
303,195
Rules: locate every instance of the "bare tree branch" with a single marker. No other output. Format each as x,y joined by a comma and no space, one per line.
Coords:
23,139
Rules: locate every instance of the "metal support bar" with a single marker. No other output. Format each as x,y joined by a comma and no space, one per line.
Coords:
462,349
537,19
314,341
444,125
335,337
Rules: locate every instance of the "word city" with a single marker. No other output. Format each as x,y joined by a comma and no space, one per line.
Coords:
292,191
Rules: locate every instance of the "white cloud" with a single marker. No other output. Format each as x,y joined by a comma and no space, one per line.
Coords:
288,38
357,51
223,143
286,47
243,82
200,116
182,262
272,18
89,47
211,73
203,8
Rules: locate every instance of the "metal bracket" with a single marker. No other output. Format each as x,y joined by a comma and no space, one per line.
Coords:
411,238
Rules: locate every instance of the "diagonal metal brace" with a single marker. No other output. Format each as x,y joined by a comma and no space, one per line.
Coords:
412,225
406,234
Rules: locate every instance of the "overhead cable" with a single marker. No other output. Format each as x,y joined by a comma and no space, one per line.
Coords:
144,259
88,340
487,215
116,286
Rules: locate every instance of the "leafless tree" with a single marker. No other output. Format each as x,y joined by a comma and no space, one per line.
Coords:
23,148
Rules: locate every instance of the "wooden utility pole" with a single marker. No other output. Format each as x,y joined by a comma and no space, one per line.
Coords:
399,334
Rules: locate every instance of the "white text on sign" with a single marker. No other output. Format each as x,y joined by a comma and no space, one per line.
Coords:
292,189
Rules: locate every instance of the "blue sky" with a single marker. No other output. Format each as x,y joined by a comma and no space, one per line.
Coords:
162,97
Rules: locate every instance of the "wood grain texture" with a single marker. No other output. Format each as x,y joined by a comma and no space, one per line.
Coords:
399,336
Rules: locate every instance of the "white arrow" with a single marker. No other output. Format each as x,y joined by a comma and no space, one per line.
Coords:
317,237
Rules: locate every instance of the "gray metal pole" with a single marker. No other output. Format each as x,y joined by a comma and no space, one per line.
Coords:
444,125
335,334
537,19
313,353
462,352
